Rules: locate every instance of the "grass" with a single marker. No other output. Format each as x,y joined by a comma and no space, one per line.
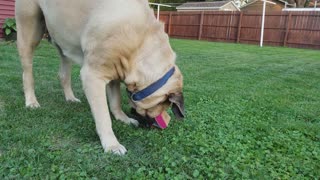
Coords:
252,113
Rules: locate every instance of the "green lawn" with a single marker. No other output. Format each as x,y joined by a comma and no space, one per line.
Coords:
251,113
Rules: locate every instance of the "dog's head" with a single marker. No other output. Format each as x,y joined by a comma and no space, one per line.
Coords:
153,60
152,100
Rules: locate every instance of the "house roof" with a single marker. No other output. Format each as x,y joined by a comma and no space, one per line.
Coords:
198,5
252,2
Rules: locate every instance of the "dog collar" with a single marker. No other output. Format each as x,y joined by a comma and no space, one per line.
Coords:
140,95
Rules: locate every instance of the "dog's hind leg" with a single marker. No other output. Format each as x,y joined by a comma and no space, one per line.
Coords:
65,77
114,98
30,29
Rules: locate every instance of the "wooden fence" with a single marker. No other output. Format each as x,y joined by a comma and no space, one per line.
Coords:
291,29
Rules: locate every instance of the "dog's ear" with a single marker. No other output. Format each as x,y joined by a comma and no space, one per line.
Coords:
177,105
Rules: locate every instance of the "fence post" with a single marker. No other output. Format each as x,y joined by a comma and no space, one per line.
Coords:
201,25
229,27
169,24
287,30
239,27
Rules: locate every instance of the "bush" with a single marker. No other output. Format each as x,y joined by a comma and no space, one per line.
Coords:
9,26
10,29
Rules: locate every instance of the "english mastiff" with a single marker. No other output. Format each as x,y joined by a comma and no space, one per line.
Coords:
114,41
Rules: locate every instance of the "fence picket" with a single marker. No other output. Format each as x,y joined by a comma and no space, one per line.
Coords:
239,27
287,29
201,25
169,23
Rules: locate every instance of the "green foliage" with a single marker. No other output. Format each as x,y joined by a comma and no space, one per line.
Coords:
252,113
9,26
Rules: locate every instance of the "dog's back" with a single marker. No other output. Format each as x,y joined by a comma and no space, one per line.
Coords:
68,22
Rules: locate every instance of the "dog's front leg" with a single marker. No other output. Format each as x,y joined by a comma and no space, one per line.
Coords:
95,90
114,97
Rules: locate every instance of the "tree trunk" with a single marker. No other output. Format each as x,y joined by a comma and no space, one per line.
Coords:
299,3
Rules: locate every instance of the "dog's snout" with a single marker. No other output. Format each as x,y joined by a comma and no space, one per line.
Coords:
143,120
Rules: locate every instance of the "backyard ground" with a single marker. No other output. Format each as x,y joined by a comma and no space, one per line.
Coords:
251,113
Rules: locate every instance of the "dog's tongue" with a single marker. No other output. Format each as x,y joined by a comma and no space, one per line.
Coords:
162,120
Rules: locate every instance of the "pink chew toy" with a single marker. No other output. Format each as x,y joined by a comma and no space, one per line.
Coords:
162,120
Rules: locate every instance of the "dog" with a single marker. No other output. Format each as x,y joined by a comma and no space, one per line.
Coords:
114,41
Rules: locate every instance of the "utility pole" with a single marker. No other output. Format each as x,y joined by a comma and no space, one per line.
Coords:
158,8
263,18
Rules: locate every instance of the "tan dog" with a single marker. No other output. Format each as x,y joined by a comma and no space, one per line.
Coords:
113,41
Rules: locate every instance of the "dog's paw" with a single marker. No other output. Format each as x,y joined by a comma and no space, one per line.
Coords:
73,99
133,122
124,118
115,149
33,104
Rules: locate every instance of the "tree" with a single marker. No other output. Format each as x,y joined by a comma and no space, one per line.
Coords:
299,3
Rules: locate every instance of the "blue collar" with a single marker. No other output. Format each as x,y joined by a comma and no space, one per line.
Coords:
140,95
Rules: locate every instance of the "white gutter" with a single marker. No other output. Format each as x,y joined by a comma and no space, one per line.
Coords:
301,9
187,8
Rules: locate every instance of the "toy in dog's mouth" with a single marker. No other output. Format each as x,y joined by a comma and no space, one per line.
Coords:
161,121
